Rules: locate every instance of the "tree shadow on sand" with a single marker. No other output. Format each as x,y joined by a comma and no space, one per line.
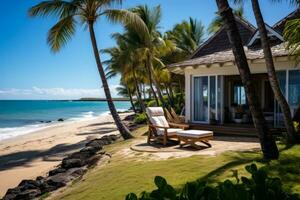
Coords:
99,131
23,158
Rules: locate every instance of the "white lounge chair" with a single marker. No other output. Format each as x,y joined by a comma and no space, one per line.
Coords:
159,128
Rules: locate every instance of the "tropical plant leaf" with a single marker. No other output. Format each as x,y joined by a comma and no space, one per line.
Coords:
61,33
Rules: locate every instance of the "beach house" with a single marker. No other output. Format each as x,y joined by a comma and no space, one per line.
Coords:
214,94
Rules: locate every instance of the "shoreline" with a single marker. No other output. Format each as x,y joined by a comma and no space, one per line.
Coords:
7,133
30,155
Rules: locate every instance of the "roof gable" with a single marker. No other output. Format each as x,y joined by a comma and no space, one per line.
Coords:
279,26
273,35
220,42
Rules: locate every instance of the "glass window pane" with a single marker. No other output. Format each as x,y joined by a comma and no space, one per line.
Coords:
201,99
212,95
294,90
279,122
220,99
239,95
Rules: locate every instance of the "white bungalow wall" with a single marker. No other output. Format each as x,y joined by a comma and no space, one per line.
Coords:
256,66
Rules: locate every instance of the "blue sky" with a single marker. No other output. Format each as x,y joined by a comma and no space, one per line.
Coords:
29,70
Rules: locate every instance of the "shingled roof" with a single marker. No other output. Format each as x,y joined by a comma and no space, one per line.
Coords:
219,41
227,56
217,49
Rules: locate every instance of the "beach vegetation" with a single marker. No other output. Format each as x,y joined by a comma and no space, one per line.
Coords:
142,63
217,22
258,186
140,118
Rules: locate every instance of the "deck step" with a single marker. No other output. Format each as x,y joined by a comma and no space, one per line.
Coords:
228,130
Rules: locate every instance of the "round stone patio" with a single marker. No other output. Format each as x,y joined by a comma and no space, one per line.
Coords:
219,144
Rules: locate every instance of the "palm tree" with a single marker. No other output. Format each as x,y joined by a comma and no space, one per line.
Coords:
150,42
86,12
187,35
267,141
217,22
127,91
124,61
271,71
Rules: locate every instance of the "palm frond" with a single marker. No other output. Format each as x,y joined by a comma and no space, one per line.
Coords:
48,8
129,19
61,33
291,34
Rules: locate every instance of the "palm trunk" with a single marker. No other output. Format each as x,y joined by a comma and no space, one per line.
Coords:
169,96
171,92
155,82
272,73
151,84
121,127
139,95
131,100
267,141
181,93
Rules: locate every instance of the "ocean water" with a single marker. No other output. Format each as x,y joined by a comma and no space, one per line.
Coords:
19,117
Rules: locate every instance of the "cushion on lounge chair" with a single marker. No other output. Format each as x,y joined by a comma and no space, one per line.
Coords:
194,133
157,117
171,131
155,111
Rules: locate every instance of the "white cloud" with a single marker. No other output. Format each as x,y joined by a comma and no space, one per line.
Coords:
54,93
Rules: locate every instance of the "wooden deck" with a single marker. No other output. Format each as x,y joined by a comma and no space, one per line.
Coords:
231,129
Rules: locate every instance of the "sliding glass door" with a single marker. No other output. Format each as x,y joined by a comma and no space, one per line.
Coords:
289,81
201,99
207,98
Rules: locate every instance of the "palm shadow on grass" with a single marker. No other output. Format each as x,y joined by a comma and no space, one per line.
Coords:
287,167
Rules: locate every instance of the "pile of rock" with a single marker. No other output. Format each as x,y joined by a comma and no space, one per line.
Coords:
72,167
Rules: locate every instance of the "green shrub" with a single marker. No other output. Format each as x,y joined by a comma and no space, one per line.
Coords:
152,103
258,187
140,118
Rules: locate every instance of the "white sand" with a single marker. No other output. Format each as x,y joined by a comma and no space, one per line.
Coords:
34,154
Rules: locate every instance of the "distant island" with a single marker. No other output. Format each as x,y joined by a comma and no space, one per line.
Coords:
103,99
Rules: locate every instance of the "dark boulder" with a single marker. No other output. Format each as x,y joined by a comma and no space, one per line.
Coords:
61,179
68,163
56,171
12,193
28,194
129,117
95,144
29,183
60,120
91,150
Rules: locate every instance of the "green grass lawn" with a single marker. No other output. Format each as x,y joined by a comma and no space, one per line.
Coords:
121,175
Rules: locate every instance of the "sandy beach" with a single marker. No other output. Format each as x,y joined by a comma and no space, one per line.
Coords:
34,154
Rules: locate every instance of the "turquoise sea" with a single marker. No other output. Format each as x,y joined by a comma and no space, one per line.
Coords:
18,117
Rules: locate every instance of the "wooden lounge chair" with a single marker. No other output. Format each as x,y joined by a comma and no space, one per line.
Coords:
160,129
175,119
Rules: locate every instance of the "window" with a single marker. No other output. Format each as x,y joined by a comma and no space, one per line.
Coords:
294,89
239,95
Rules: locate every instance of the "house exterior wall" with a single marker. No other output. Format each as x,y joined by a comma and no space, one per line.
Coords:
256,66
